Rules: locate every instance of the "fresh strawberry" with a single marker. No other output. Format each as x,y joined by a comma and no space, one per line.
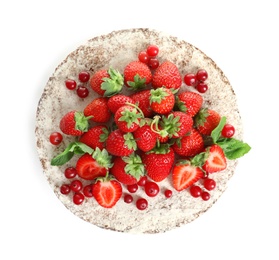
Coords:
120,144
95,137
162,100
216,160
127,169
145,138
142,99
158,162
74,123
92,166
98,109
136,75
207,120
189,102
190,144
177,124
167,75
107,191
127,118
107,82
118,101
185,175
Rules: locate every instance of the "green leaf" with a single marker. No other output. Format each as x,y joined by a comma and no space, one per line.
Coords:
216,133
233,148
81,120
113,84
134,166
138,83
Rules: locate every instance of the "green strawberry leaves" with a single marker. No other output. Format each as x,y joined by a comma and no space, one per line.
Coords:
81,120
232,147
134,165
72,149
113,84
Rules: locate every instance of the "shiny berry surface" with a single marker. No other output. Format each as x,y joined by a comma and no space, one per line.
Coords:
76,185
195,191
202,87
153,63
83,76
55,138
142,181
168,193
141,204
190,79
128,198
228,131
152,50
88,191
78,198
143,57
70,172
65,189
132,188
209,184
202,75
70,84
151,189
205,195
82,91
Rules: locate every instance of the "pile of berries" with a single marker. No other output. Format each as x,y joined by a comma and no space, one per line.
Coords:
158,133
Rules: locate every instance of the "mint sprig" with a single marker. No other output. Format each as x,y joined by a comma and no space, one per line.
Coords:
72,149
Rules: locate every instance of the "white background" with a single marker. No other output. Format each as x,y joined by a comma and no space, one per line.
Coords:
241,38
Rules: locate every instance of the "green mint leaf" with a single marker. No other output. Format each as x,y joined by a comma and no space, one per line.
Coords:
216,133
233,148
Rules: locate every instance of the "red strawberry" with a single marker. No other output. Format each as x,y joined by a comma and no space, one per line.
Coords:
206,121
92,166
95,137
177,124
107,192
118,101
142,100
127,118
120,144
216,160
106,82
145,138
189,145
98,109
162,100
127,169
185,175
158,163
74,123
137,74
189,102
167,75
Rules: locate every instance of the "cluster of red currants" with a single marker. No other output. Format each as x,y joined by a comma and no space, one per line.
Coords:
197,80
149,56
196,191
82,90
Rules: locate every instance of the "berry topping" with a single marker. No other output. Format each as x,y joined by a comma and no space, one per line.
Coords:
65,189
83,76
168,193
128,198
152,50
78,198
141,204
151,189
55,138
70,84
209,184
76,185
70,172
82,91
228,131
202,75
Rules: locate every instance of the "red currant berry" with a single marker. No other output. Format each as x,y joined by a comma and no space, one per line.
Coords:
88,191
153,63
195,191
228,131
209,184
190,79
201,75
128,198
65,189
152,50
70,172
168,193
76,185
82,91
205,195
132,188
143,57
55,138
83,76
151,188
205,175
70,84
202,87
142,204
142,181
78,198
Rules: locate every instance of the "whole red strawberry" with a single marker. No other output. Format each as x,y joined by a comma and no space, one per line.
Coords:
107,82
74,123
189,102
95,137
167,75
207,120
127,169
137,74
118,101
145,138
120,144
162,100
189,145
98,110
142,99
158,163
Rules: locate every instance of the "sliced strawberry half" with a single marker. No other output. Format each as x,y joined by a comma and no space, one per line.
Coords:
216,160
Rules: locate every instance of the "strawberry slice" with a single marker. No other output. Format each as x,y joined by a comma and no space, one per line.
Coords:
216,160
185,175
107,192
